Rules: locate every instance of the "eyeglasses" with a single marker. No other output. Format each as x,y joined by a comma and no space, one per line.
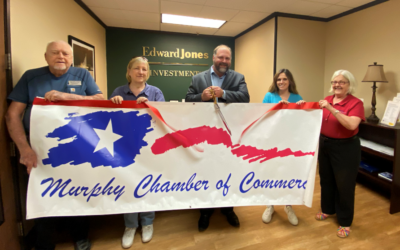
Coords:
338,82
144,58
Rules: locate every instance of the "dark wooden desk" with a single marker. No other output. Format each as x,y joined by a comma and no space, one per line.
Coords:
388,136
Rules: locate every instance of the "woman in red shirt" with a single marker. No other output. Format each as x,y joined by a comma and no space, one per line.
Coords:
340,151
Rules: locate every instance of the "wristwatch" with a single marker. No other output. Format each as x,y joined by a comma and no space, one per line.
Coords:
336,111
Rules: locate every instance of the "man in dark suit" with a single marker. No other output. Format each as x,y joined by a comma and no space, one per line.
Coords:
228,86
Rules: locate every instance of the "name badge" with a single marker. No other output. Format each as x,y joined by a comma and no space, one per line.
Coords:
75,83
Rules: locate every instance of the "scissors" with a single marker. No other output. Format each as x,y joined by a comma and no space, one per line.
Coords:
219,111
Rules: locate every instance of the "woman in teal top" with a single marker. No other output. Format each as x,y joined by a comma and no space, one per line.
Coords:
282,90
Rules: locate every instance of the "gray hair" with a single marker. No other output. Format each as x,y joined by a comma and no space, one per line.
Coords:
221,46
349,76
58,41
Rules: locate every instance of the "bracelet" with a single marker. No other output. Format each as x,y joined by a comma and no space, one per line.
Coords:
336,111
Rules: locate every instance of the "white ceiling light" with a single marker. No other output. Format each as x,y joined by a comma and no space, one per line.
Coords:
192,21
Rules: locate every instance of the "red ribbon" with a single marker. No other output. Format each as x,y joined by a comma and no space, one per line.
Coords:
159,116
307,105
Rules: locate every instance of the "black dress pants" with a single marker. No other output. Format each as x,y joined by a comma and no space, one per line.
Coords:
339,160
209,211
46,227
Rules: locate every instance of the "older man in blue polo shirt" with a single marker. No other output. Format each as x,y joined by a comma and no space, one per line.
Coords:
56,82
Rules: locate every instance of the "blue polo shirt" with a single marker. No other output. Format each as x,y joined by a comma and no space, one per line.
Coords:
37,82
152,93
275,98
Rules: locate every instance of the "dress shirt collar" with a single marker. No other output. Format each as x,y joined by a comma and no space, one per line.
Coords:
213,72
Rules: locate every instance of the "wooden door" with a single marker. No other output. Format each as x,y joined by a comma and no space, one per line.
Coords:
9,237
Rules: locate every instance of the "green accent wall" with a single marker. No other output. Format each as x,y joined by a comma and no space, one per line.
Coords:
123,44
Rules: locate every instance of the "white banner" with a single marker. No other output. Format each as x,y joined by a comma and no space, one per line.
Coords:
95,157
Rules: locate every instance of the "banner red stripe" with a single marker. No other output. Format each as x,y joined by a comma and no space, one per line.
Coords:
307,105
91,103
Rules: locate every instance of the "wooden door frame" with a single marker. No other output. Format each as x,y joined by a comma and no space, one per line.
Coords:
17,215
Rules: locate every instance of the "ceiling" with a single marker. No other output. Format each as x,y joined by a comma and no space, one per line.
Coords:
239,14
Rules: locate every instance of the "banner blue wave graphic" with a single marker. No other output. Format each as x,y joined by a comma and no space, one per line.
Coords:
100,138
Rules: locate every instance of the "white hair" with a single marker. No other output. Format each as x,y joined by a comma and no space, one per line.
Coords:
349,76
58,41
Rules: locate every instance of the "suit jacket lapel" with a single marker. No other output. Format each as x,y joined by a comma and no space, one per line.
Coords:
227,80
207,75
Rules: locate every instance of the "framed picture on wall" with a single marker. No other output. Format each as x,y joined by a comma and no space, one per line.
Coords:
83,55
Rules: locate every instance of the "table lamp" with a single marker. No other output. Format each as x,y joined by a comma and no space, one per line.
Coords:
374,74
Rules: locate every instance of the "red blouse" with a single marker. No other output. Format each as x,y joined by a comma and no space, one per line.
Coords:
350,106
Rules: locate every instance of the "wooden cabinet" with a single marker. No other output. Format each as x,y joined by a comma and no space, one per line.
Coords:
388,136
